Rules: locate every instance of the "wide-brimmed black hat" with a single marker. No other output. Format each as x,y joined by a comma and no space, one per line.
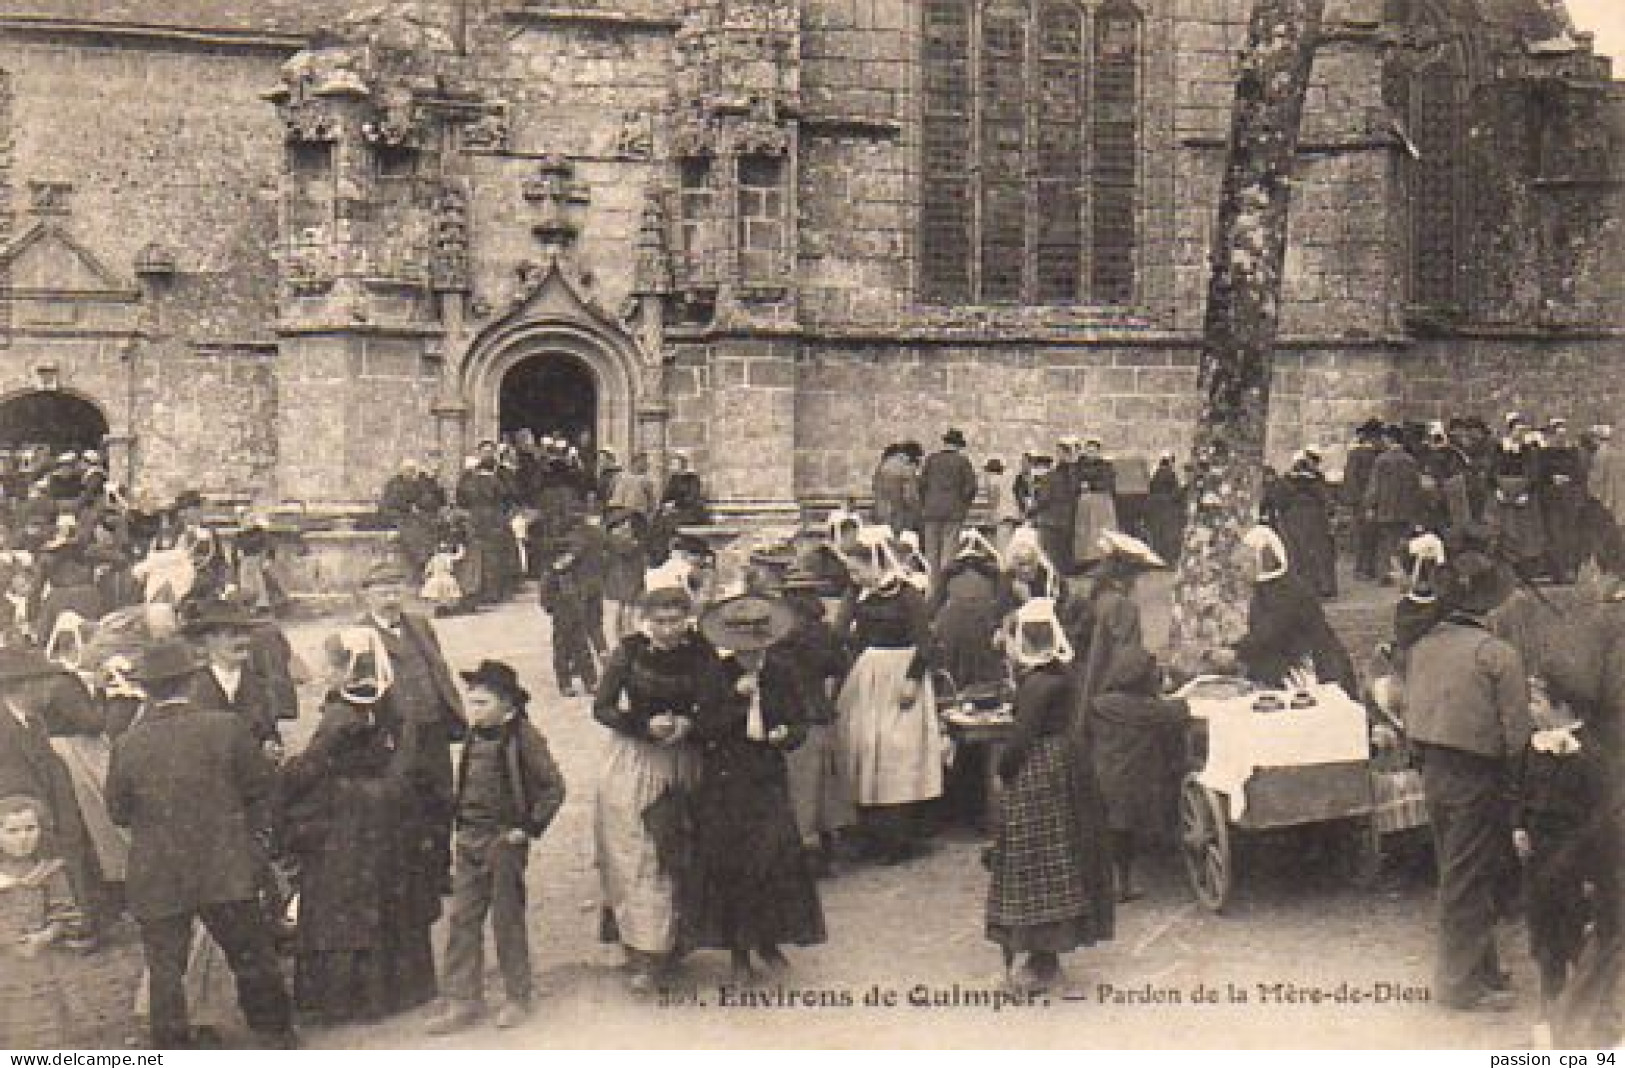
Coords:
170,659
218,614
747,622
499,678
955,437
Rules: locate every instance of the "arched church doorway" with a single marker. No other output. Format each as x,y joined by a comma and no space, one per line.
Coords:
551,393
53,418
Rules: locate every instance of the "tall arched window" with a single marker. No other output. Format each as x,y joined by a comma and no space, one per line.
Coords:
1427,85
1030,145
1437,106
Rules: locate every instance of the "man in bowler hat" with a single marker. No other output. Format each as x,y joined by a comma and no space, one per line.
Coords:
948,487
190,784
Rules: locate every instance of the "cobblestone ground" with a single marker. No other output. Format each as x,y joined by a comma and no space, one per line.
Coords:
913,932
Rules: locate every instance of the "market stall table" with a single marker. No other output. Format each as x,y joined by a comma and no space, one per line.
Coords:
1264,760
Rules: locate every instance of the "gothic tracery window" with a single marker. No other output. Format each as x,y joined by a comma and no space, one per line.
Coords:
1030,144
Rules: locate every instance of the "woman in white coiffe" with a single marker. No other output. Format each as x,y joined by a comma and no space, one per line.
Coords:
888,733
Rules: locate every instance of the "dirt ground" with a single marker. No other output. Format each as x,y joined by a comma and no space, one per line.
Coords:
1298,960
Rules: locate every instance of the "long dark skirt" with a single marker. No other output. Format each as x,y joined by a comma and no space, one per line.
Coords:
367,901
367,984
1138,756
1046,894
752,884
1307,531
965,635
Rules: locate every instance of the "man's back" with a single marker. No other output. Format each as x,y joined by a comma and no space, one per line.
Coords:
947,485
1465,688
185,781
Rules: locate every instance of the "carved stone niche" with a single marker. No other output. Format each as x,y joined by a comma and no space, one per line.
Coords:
397,121
490,131
652,275
308,272
313,94
557,196
448,258
741,56
384,68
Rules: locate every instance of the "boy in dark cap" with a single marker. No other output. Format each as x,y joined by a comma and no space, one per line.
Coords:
508,791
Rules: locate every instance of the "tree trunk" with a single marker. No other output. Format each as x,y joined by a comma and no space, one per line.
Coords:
1243,316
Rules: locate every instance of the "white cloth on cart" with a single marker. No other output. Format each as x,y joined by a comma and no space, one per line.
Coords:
1240,740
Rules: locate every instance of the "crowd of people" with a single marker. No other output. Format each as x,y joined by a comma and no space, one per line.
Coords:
74,545
765,730
1069,495
1548,496
514,504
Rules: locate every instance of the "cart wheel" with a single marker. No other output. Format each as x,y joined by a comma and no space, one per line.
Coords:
1364,853
1205,843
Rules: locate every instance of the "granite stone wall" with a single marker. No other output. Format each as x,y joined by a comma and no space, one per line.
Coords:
168,145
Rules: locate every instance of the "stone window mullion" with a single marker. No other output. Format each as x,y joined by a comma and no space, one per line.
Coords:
1003,143
948,228
1114,111
1058,101
975,170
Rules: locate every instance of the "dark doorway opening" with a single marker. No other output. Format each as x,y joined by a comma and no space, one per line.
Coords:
553,394
50,417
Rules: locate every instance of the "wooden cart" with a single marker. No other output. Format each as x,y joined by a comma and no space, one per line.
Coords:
1372,796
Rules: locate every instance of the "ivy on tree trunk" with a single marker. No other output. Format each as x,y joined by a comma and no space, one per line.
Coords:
1242,320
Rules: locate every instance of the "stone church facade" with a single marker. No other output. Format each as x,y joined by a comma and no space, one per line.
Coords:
268,248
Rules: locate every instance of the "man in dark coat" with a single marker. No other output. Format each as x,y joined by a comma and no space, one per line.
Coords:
187,783
947,491
1560,484
1055,508
1356,481
557,498
1393,500
1466,701
483,492
426,693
